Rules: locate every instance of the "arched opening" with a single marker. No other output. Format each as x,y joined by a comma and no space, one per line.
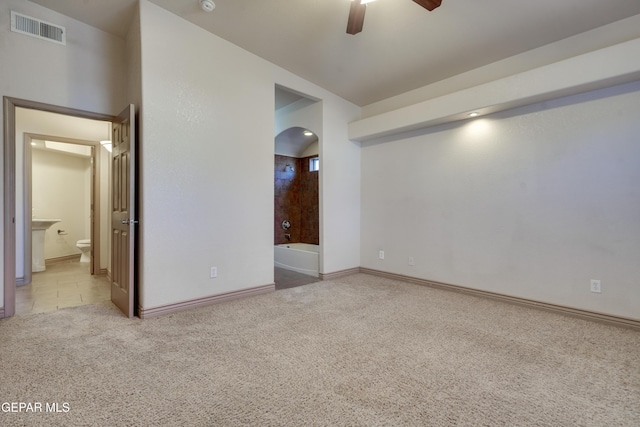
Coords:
297,187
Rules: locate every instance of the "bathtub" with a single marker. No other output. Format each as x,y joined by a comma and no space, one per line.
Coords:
300,257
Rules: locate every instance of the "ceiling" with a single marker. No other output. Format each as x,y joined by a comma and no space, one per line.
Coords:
296,142
74,150
402,46
61,127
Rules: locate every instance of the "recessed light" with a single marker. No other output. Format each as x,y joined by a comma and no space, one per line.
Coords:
474,114
307,133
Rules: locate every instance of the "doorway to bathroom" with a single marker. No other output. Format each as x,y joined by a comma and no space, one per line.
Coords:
66,182
64,213
297,182
16,217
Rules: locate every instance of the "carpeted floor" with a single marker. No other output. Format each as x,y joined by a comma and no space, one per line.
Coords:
358,351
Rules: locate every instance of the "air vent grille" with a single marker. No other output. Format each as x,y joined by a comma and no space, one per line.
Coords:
33,27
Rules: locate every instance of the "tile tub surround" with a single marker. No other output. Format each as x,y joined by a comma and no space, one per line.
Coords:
296,199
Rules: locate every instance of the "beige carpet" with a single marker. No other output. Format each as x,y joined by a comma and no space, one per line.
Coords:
358,351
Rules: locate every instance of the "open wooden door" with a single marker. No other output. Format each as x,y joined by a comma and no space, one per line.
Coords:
123,212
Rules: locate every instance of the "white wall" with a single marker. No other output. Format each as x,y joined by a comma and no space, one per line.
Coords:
133,58
85,74
339,172
304,113
532,202
61,188
207,195
312,150
207,166
339,190
133,96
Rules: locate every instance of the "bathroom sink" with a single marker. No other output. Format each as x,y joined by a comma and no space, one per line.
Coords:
38,228
42,224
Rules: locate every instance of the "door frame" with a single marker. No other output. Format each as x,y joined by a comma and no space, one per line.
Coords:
9,191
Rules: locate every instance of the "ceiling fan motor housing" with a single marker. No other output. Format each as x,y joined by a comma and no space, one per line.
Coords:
358,8
429,4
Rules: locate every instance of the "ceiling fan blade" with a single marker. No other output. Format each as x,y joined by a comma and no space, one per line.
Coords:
429,4
356,17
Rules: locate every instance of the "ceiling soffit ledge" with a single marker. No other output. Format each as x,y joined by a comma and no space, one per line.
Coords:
594,70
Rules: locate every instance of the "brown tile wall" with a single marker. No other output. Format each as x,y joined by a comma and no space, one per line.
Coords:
309,204
296,199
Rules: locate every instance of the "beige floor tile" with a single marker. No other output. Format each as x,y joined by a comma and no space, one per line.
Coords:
70,303
99,290
44,286
69,293
59,286
96,290
93,299
24,292
67,285
45,292
68,279
42,307
90,286
22,306
49,302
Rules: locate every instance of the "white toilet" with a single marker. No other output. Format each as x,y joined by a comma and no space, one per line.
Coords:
85,246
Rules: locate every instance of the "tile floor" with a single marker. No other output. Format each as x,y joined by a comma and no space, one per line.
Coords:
65,284
286,279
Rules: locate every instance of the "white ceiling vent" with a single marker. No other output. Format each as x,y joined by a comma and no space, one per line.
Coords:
33,27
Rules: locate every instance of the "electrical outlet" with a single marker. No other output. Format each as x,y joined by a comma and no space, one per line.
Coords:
596,286
381,254
214,272
412,261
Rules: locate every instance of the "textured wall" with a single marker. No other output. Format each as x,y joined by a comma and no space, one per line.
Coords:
206,163
207,125
532,202
86,74
61,188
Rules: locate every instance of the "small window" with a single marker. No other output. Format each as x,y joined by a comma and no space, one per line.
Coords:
314,164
